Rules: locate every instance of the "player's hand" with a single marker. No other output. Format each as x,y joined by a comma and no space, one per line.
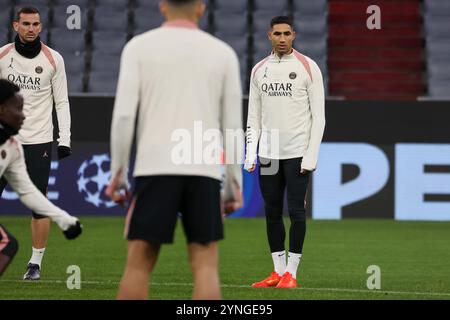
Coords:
250,167
235,203
117,192
64,152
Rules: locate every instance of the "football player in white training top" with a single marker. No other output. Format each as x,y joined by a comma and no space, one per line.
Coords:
286,119
40,74
13,168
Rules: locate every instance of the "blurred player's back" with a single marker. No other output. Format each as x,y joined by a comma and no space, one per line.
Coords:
182,72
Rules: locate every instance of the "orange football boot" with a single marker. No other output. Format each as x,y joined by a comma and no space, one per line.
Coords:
270,281
287,281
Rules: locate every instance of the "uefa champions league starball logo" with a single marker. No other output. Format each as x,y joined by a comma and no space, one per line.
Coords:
93,178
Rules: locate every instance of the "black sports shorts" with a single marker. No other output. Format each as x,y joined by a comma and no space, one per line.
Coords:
159,201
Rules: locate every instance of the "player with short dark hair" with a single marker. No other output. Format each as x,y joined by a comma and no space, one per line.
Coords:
40,73
25,10
281,20
286,119
177,75
13,168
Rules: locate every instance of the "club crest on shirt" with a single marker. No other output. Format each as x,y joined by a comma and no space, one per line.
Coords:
292,75
39,69
3,153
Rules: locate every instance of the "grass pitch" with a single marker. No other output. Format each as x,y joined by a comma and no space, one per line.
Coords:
414,258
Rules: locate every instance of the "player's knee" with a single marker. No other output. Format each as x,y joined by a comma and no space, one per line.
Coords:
297,215
274,214
272,199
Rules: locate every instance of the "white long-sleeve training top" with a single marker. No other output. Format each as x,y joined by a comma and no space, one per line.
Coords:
286,111
13,168
180,82
42,81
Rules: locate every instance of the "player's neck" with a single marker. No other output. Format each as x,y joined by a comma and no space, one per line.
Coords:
28,49
177,16
280,55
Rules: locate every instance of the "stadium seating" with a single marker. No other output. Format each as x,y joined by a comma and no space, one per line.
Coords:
60,17
4,36
146,19
230,24
104,62
5,3
75,70
103,83
66,3
71,44
5,23
35,3
238,43
75,83
74,64
5,18
309,8
152,5
261,47
44,36
146,16
437,26
311,26
376,64
68,42
110,19
109,41
119,5
271,6
104,71
110,29
231,6
92,54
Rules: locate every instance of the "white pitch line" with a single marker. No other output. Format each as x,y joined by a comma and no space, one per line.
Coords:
175,284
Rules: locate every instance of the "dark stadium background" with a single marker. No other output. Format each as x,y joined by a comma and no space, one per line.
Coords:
384,87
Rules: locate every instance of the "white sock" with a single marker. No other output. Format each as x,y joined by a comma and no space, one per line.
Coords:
37,256
279,262
293,262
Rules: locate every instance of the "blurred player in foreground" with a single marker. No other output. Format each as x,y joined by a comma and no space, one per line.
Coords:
286,118
174,78
13,168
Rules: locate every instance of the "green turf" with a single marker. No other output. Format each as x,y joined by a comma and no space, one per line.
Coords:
414,258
